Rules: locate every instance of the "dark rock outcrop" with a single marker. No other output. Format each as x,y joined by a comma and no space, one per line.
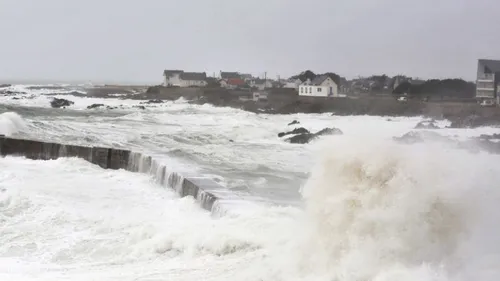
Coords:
427,124
482,143
95,105
474,121
140,107
295,131
58,103
12,93
5,85
76,94
307,137
293,122
420,136
329,131
489,137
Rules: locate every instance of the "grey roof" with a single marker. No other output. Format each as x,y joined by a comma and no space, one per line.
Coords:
318,80
193,76
229,75
493,65
246,76
167,72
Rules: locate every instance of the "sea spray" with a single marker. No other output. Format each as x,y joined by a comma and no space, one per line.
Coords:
377,210
11,123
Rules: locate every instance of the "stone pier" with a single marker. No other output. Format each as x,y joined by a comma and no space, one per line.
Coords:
204,190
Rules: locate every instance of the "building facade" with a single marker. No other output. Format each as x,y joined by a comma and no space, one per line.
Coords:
261,84
292,83
321,86
488,80
179,78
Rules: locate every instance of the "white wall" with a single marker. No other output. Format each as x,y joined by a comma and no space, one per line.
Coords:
292,85
327,88
190,83
266,84
313,91
173,80
331,87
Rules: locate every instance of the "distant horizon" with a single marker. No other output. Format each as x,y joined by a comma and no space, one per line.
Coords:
45,81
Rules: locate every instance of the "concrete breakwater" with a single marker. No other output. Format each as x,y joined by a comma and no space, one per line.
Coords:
206,192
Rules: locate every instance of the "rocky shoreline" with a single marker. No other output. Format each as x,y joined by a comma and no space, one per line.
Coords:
462,115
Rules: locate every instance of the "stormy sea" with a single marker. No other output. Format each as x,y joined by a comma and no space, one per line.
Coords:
356,206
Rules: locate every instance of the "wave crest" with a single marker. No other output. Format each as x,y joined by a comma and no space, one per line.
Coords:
11,123
377,210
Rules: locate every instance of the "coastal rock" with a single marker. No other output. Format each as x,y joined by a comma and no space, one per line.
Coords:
58,103
489,137
5,85
301,138
420,136
293,122
329,131
474,121
427,124
307,137
95,105
12,93
77,94
140,107
476,145
295,131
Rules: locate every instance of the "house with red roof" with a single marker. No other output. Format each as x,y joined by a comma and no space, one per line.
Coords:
232,83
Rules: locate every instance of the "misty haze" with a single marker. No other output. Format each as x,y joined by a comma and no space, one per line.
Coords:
346,140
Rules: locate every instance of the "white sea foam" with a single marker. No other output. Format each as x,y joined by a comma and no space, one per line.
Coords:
381,211
11,123
41,97
69,220
375,210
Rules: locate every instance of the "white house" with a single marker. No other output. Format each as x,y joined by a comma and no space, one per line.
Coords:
171,77
293,84
321,86
488,80
261,84
180,78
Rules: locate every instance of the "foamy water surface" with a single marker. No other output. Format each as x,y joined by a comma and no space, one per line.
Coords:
373,209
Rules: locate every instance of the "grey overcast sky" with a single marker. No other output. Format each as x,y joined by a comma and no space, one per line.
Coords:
133,41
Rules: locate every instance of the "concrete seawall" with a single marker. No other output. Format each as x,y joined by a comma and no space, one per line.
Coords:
207,192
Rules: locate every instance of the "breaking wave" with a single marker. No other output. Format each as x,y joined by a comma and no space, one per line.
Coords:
11,123
382,211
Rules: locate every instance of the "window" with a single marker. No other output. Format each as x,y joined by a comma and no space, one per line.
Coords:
485,85
319,89
310,90
301,90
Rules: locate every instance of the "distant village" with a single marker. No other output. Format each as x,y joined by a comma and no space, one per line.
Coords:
306,83
486,90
